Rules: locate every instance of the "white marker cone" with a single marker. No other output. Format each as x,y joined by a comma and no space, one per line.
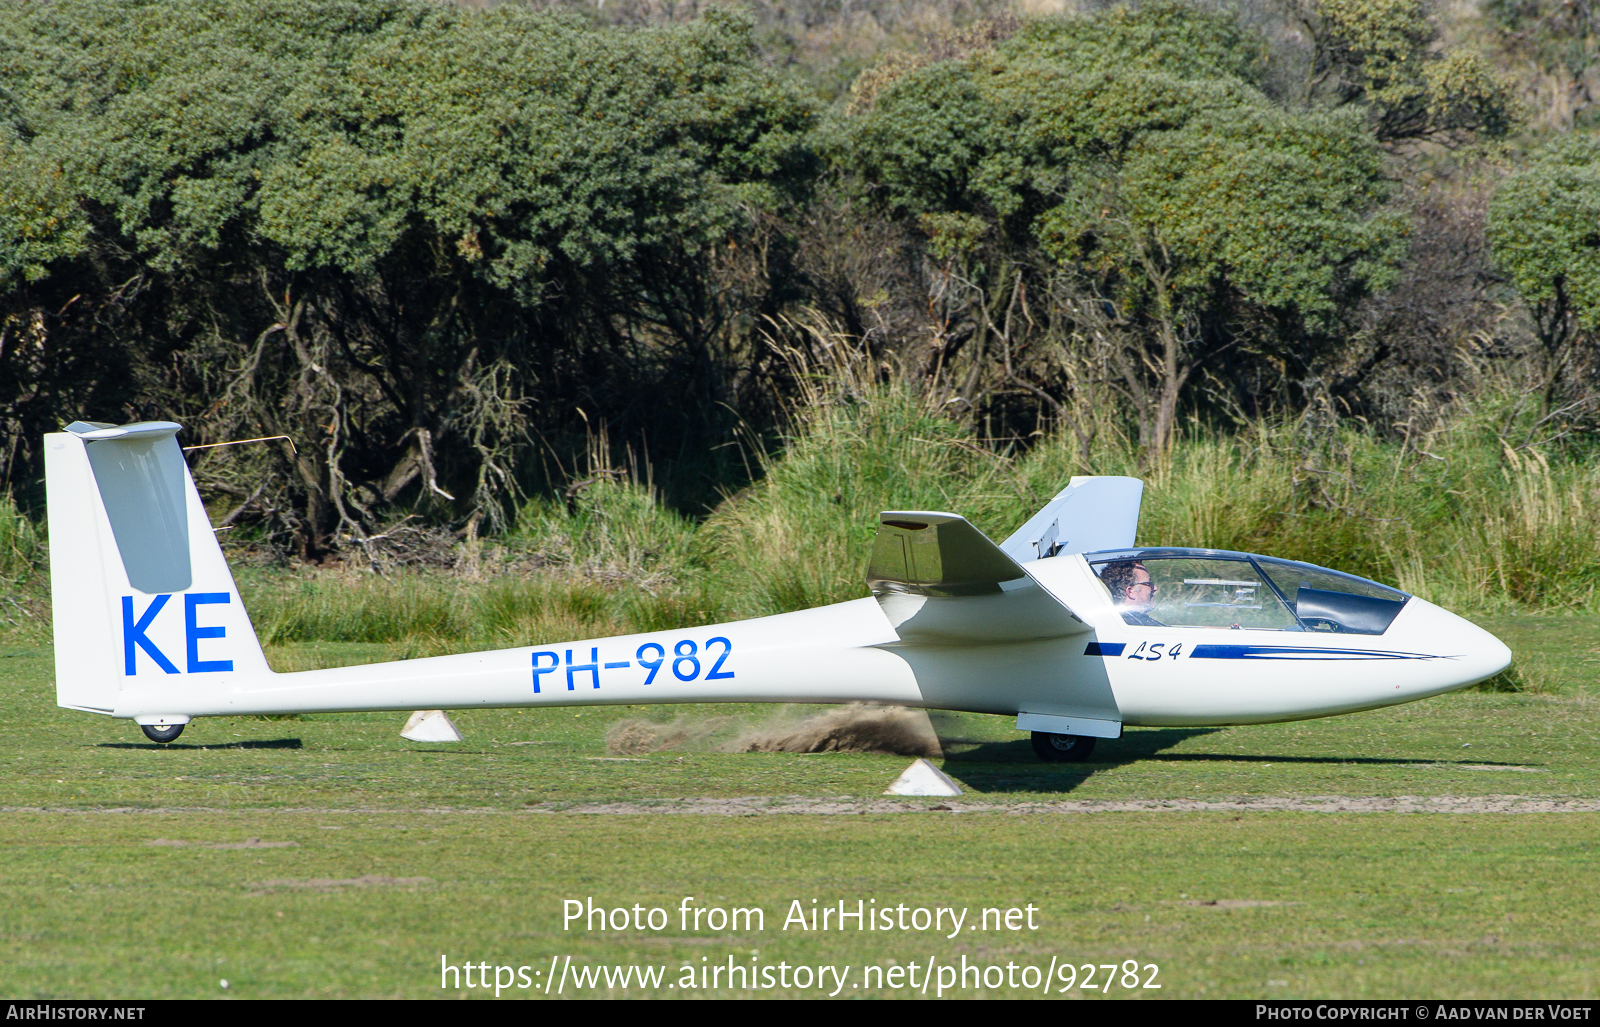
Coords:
923,778
430,726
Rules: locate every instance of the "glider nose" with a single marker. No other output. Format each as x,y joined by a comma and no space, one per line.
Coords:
1474,654
1485,655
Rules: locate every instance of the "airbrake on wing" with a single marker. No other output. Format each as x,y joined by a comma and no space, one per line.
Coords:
939,579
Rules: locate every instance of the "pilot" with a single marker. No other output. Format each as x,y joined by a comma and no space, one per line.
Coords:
1132,591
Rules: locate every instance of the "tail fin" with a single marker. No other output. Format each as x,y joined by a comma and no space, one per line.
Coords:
145,609
1089,515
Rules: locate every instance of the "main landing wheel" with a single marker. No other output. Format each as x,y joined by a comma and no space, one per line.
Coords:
1062,748
168,732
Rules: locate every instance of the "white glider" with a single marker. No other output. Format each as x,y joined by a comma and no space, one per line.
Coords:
1065,625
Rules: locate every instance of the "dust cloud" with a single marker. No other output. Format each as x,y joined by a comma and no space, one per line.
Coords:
635,736
858,727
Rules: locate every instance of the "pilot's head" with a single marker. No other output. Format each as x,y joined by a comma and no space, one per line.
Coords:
1130,585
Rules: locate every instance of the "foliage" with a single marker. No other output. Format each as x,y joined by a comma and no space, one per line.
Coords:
1544,226
800,536
1264,202
452,253
407,235
24,593
1187,41
1487,513
1559,42
1381,55
1181,208
21,549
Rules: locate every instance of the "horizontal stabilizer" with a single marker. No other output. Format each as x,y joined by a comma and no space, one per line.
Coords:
941,580
1090,515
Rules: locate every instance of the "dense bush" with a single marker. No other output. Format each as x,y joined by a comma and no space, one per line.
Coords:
409,236
1129,165
470,262
1544,224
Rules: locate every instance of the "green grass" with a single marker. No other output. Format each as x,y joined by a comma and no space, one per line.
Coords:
1553,654
1467,743
402,852
1325,906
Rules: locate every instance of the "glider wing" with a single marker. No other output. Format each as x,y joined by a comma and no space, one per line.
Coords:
1090,515
940,580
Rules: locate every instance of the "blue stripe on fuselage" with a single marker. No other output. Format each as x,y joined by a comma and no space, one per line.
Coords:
1284,652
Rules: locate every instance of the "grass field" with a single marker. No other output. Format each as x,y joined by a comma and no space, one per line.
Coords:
325,856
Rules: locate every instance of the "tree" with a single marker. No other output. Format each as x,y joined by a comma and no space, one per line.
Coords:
1245,229
1122,165
1382,56
1544,229
412,236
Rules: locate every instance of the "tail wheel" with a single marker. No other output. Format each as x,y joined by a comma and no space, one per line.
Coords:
168,732
1062,748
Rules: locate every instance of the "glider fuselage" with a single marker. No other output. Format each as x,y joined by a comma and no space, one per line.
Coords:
849,652
149,624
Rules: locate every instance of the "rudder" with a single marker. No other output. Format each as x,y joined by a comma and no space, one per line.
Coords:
144,606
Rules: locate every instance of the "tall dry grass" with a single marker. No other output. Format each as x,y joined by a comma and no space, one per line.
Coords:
24,601
21,553
800,535
1480,514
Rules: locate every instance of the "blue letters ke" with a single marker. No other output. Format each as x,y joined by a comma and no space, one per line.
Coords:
133,634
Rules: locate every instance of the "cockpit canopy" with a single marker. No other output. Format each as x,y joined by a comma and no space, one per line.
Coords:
1208,588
